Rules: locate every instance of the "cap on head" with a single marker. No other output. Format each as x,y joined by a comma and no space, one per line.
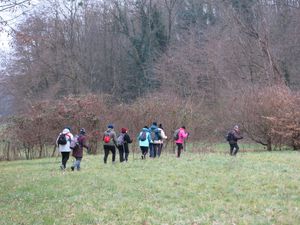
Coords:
82,131
67,127
236,127
154,123
123,130
65,131
110,126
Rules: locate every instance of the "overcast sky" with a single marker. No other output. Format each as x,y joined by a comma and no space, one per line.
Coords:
13,17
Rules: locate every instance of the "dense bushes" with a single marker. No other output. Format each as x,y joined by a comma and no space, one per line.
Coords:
268,116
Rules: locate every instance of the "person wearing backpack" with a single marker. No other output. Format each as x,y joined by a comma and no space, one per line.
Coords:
155,137
160,141
110,142
144,141
232,138
122,143
81,142
63,142
180,136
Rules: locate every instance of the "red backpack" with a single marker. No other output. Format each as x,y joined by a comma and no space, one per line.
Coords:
106,138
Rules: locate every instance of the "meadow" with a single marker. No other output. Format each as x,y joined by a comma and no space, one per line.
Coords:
214,188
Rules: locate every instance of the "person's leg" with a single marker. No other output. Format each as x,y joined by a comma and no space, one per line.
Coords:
77,163
106,152
142,150
121,153
62,161
236,149
126,153
231,148
151,146
179,149
146,152
155,148
65,158
159,148
113,151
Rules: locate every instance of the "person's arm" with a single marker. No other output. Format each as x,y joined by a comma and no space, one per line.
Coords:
237,136
114,137
149,137
163,135
184,134
84,142
127,139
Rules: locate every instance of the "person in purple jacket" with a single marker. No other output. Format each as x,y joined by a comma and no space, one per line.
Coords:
182,135
78,150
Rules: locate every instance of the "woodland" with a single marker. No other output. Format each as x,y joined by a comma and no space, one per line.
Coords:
205,64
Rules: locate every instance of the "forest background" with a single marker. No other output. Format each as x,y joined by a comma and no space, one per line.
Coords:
205,64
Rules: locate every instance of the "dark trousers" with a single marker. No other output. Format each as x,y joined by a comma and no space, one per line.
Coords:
144,151
153,150
121,153
234,148
108,148
159,148
64,158
179,149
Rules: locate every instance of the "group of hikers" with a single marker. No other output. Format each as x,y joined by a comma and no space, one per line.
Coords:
149,138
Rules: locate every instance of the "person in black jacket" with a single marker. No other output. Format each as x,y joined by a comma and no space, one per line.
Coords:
233,137
122,143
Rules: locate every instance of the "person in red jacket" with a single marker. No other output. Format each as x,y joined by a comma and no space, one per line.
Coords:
182,135
77,153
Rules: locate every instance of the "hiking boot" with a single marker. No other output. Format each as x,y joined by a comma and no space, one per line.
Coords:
72,168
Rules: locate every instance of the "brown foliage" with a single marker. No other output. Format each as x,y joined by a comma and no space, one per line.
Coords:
253,108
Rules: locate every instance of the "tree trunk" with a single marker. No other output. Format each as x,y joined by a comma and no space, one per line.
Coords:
269,144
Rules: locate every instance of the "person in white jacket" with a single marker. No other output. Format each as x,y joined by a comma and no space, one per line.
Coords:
63,142
161,141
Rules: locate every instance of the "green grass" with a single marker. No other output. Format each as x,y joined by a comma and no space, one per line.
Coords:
253,188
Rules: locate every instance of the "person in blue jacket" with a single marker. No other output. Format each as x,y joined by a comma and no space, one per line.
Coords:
144,141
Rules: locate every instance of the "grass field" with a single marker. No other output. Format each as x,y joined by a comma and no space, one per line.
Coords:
253,188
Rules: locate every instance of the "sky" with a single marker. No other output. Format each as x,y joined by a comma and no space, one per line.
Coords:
12,17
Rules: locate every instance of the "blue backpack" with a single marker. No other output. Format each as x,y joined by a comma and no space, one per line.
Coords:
143,136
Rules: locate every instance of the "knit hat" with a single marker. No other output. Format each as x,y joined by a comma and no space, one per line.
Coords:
82,131
236,127
123,130
110,126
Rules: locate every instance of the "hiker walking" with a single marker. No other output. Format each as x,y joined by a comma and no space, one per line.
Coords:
160,141
122,144
155,137
232,138
144,141
110,141
77,144
180,135
63,142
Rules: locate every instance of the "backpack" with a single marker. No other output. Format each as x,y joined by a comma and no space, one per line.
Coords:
106,138
62,139
120,140
74,145
176,135
143,136
230,136
155,135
